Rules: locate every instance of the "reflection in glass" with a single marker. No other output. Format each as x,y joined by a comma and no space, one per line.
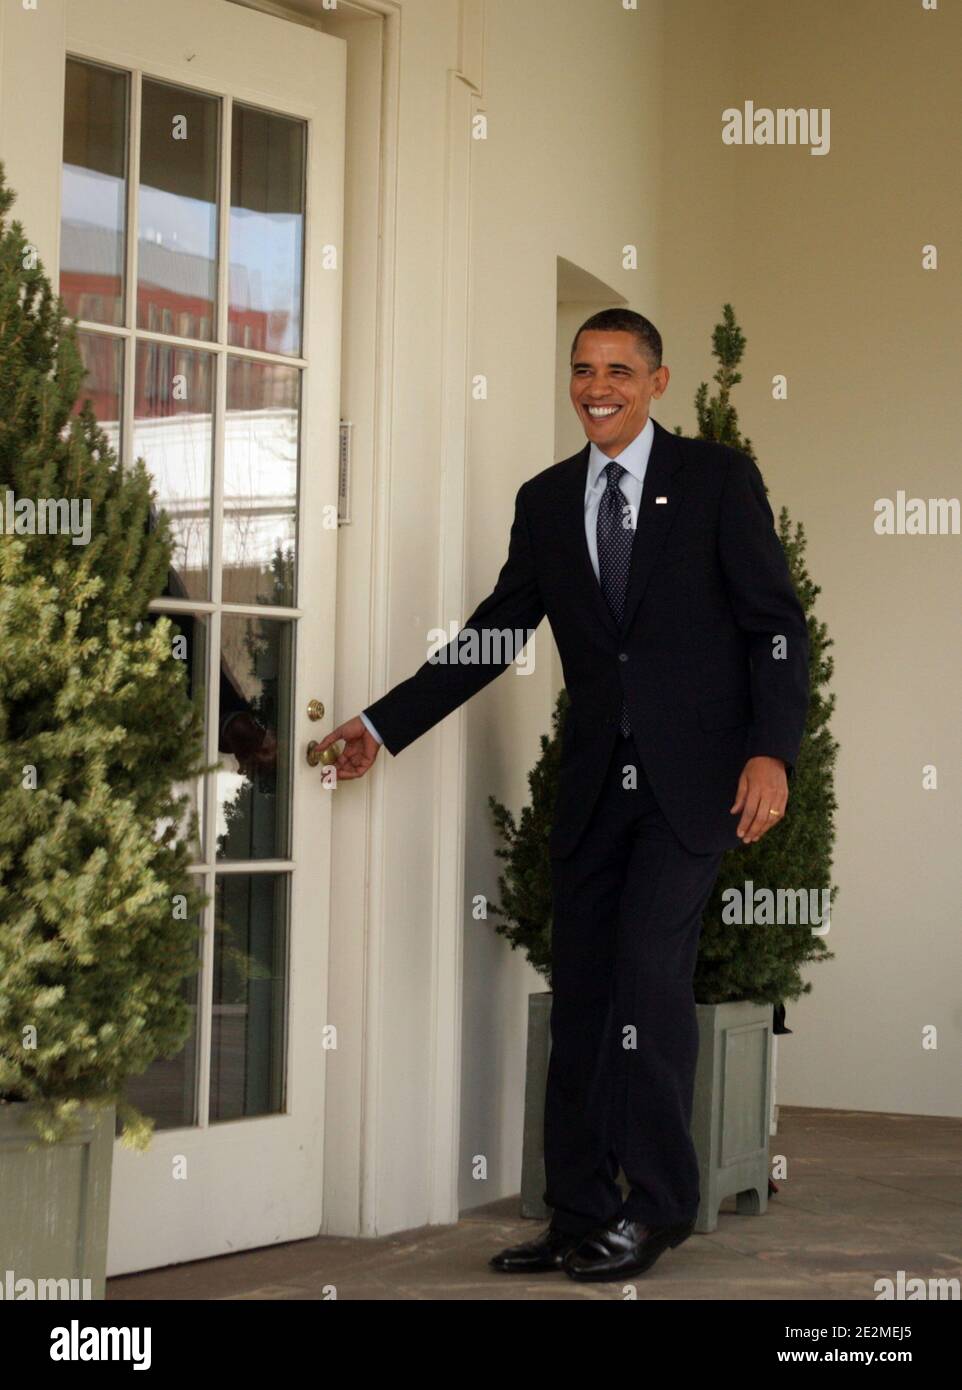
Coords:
173,434
189,643
254,737
261,444
167,1090
266,231
250,996
103,357
177,237
93,214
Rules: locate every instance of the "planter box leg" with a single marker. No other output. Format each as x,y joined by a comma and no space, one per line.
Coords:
535,1088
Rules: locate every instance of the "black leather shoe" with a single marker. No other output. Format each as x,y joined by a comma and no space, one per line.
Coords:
546,1251
622,1248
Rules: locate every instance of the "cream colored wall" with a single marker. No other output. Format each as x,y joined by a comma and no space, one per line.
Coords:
30,81
821,258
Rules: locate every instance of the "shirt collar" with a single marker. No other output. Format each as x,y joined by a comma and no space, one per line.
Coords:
634,458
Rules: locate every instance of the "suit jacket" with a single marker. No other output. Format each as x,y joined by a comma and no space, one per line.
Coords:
696,656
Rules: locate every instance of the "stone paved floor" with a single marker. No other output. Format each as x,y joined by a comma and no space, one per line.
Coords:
866,1196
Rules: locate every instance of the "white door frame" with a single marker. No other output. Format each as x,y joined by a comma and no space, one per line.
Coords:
358,1142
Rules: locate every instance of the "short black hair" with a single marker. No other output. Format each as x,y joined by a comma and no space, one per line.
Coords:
625,321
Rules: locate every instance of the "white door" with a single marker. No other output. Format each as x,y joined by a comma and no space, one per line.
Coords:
201,217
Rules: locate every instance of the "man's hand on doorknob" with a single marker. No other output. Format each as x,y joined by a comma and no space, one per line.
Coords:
359,751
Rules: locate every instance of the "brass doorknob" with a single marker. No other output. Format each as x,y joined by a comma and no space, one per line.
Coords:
315,710
326,757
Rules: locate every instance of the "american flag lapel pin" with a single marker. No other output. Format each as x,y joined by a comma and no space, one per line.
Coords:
660,501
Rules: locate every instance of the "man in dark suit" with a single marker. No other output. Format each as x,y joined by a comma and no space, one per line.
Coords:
685,657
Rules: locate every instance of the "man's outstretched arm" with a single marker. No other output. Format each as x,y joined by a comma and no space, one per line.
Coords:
488,642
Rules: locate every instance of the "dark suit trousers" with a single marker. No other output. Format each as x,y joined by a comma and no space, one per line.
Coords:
627,906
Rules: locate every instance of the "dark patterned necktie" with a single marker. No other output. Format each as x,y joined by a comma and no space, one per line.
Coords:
615,538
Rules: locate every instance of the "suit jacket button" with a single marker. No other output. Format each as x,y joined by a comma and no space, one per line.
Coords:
622,656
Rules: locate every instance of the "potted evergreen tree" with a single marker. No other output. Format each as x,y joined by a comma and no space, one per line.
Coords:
743,971
98,915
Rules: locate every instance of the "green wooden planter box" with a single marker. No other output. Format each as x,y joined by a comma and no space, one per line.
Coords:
55,1202
730,1112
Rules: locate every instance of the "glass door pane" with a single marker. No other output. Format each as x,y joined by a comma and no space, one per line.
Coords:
266,231
174,435
177,211
261,447
93,218
103,358
256,671
250,996
167,1090
191,645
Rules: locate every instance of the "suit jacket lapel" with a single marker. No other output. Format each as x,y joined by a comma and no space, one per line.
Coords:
654,518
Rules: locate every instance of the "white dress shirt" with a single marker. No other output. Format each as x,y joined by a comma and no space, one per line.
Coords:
634,459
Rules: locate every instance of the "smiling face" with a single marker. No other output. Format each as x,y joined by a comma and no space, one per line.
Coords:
612,387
